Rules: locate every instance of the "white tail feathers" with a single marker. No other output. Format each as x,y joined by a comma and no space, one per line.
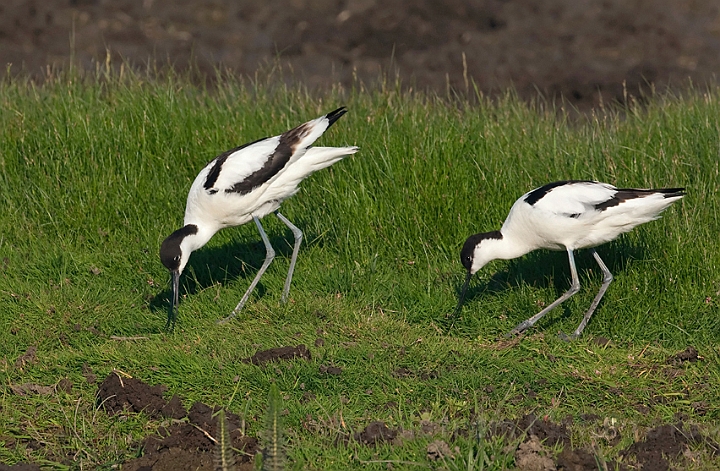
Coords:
316,158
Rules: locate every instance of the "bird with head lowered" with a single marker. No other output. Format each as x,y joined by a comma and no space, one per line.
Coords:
565,215
247,183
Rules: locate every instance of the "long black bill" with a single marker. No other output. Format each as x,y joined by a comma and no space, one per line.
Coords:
172,312
462,294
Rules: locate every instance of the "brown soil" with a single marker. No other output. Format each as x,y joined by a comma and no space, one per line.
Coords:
187,438
583,49
661,444
183,444
279,353
189,443
20,467
117,394
689,354
667,442
375,433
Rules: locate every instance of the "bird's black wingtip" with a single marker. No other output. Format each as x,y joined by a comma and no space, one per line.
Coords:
335,115
672,192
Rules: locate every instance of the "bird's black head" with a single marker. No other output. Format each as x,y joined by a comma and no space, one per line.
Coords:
170,251
467,257
171,255
467,254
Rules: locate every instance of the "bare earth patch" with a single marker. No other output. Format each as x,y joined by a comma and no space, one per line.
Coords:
667,442
590,52
186,444
186,440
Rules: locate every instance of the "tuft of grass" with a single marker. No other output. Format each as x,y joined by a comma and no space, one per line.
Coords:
273,456
224,456
94,173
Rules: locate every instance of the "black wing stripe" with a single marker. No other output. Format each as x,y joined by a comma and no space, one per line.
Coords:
278,159
274,164
538,193
220,160
625,194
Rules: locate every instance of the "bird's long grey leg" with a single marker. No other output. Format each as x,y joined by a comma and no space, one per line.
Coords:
607,279
574,288
269,256
298,239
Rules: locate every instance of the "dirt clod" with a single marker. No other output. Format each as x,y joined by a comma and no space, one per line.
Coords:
279,353
666,441
582,459
123,395
173,408
375,432
330,370
65,385
20,467
402,372
87,372
438,450
532,456
172,459
29,389
689,354
26,358
546,431
189,446
181,445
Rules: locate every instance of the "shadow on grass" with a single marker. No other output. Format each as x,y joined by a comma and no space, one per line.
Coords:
227,263
545,268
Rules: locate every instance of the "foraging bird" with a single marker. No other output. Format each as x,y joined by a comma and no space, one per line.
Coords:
247,183
565,215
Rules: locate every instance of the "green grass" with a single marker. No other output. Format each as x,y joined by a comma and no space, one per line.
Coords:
94,172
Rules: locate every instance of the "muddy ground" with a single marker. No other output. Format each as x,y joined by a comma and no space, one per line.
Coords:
585,50
188,439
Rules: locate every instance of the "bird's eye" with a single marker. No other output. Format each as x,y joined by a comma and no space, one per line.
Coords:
467,258
177,258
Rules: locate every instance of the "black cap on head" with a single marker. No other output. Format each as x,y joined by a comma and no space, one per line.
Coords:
170,252
171,257
468,250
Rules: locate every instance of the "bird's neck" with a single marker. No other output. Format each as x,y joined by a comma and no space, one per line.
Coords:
508,247
197,240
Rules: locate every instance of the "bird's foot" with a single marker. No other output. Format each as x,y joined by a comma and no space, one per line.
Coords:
522,327
232,315
172,318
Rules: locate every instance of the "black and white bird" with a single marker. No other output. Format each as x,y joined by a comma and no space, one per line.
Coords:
565,215
247,183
